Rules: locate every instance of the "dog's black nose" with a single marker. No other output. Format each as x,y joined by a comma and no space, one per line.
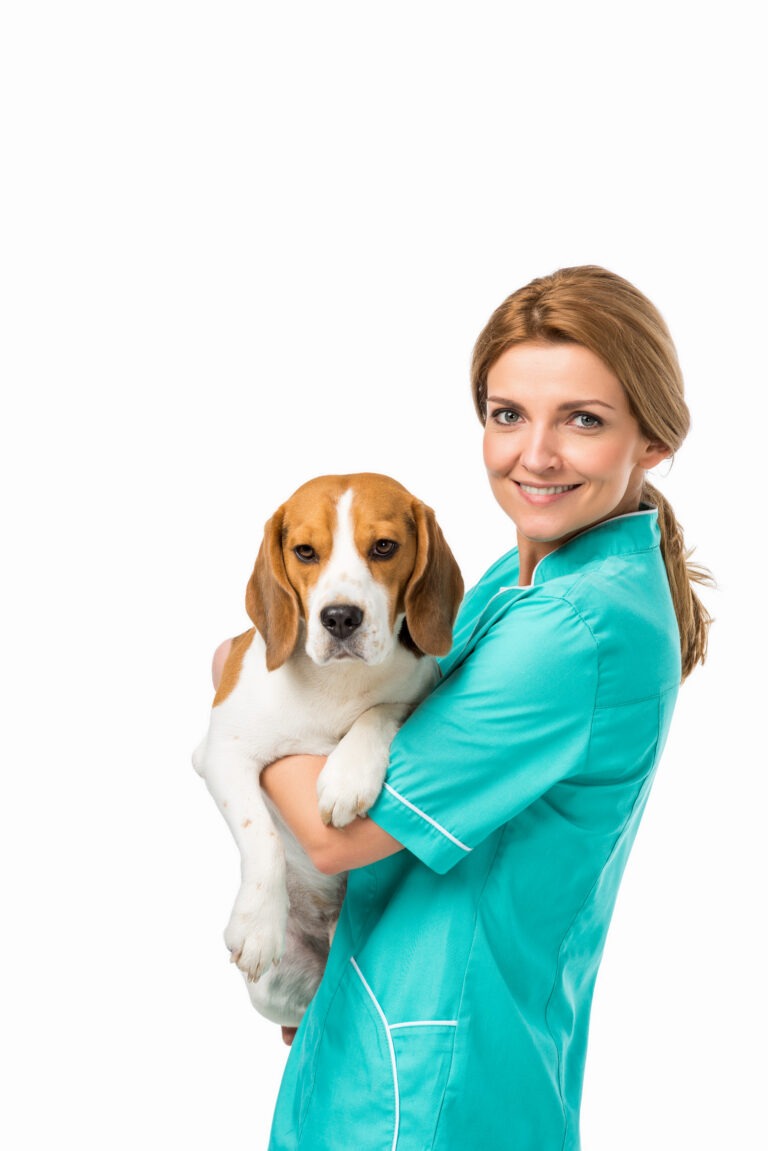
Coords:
341,619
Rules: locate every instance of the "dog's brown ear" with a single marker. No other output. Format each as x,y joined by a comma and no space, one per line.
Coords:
434,591
270,599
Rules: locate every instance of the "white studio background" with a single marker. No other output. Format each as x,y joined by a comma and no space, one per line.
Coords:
247,243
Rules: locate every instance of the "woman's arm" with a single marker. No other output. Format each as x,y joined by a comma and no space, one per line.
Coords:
291,784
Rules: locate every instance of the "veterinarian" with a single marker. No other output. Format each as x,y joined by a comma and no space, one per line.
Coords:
455,1005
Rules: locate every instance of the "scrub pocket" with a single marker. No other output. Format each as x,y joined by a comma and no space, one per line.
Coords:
377,1084
423,1053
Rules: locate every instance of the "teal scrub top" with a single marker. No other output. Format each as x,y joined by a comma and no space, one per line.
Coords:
454,1010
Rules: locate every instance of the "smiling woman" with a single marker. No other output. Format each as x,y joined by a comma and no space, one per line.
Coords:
455,1006
562,448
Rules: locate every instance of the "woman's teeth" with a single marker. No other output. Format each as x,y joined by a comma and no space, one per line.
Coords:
553,491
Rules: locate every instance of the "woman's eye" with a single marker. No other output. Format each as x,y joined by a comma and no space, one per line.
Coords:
383,549
305,553
505,416
586,420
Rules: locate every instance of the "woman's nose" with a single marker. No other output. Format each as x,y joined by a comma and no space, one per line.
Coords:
540,451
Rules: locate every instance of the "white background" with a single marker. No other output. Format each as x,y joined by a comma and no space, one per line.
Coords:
247,243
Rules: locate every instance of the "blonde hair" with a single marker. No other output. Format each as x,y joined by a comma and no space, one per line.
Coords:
605,313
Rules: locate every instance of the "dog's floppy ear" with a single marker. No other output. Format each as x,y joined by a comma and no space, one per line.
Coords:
270,599
435,588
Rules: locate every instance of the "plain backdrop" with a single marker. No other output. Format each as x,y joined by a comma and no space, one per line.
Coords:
247,243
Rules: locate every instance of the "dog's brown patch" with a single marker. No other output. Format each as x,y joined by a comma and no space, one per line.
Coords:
231,671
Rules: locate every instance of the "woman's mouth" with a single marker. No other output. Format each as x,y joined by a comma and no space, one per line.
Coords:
546,493
555,490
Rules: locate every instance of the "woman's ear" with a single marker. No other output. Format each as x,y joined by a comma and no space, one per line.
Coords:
270,599
654,454
435,588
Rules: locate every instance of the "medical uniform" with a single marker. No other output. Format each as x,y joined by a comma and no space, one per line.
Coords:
454,1011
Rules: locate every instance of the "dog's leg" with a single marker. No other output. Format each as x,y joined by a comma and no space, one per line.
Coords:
284,992
255,934
354,773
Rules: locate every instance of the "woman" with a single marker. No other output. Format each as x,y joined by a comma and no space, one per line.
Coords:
455,1005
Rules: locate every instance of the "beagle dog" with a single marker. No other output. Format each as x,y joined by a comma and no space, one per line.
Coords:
353,591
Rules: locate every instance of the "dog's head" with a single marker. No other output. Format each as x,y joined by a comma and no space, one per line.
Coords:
363,564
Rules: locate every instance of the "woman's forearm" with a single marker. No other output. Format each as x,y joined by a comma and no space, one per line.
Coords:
291,784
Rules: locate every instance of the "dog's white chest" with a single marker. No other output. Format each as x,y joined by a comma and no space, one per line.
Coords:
300,707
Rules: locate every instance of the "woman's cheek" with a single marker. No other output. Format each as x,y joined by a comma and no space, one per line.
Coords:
496,455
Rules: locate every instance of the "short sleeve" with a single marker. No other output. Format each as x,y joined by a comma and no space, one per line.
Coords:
511,719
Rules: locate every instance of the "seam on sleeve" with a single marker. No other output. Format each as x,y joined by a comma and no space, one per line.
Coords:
428,818
568,602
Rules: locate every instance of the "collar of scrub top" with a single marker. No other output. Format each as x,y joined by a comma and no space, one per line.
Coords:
633,532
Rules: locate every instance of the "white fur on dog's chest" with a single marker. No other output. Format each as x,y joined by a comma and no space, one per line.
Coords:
300,707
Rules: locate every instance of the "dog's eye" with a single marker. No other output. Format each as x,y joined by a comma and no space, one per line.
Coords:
383,549
305,553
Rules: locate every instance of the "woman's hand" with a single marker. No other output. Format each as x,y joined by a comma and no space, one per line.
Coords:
219,659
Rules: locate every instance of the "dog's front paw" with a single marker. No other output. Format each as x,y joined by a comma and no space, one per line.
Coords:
342,794
255,934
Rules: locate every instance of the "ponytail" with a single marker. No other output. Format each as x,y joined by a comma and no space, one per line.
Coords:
693,619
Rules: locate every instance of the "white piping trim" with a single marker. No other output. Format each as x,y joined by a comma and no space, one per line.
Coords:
426,1023
391,1045
428,818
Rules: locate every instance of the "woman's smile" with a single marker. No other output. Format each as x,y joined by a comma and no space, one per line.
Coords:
539,494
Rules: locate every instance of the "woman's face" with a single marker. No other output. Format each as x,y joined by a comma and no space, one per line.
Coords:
561,446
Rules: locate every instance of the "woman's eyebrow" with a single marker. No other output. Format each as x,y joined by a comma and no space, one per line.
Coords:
584,404
568,406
